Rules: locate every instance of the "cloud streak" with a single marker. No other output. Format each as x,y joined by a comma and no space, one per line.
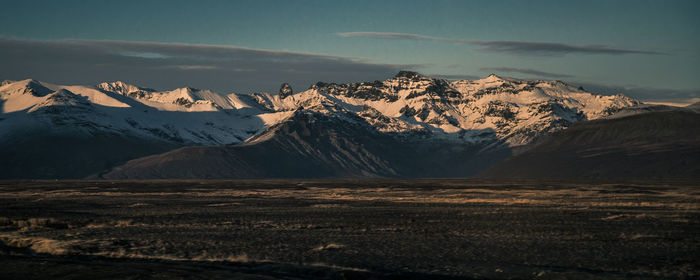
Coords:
192,67
455,77
679,96
545,48
512,47
170,65
532,72
404,36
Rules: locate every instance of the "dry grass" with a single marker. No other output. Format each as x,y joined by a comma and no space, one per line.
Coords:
36,244
427,229
329,246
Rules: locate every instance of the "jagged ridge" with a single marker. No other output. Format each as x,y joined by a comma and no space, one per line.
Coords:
492,113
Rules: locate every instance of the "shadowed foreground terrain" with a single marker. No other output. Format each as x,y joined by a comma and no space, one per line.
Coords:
348,229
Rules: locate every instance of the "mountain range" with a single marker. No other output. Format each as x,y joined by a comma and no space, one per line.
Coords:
406,126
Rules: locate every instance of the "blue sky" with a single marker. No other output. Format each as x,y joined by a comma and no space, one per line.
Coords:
647,49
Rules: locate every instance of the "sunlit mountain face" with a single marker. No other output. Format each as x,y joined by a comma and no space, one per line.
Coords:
394,139
488,114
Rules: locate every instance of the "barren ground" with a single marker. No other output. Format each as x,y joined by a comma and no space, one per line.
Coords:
348,229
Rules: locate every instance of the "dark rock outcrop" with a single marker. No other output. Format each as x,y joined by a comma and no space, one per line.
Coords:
285,90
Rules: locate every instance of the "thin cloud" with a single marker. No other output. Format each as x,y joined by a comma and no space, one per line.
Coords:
170,65
526,71
545,48
192,67
389,35
647,94
143,55
455,77
513,47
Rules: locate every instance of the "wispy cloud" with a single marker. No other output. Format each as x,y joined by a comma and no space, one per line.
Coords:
143,55
532,72
513,47
192,67
170,65
545,48
406,36
455,77
647,94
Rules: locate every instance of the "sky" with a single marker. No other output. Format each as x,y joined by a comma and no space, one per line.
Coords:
649,50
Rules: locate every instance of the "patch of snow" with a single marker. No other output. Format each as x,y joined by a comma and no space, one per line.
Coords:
512,110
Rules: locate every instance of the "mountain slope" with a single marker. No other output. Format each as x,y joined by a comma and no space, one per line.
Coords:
318,145
307,144
51,131
662,144
183,116
49,155
517,111
441,128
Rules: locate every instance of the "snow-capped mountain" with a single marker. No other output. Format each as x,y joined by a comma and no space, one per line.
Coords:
491,112
516,111
511,110
185,115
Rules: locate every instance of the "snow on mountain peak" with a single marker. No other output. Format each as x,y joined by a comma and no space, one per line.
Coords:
518,111
493,77
123,89
490,109
63,98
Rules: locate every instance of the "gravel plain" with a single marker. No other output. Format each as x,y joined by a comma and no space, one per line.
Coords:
348,229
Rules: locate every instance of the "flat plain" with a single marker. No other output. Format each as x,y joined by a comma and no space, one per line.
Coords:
348,229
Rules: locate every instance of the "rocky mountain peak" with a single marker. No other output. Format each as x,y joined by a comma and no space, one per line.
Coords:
408,74
35,88
513,111
285,90
492,78
124,89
